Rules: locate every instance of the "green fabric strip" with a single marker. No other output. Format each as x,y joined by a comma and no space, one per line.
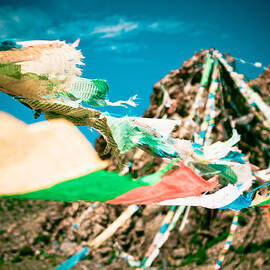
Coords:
94,92
127,134
11,70
208,66
14,71
97,186
123,132
225,174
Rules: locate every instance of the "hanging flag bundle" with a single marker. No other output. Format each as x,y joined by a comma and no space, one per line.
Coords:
47,160
81,175
198,173
252,98
28,75
48,70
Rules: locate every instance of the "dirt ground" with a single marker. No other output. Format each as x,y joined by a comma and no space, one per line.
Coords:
41,235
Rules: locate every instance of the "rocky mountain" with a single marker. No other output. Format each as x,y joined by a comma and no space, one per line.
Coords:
41,235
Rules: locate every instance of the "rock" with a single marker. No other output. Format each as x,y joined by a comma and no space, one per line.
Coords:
68,248
259,262
180,252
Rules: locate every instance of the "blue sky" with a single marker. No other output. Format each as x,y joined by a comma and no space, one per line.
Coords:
133,44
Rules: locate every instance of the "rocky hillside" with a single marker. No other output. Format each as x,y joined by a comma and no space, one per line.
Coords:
41,235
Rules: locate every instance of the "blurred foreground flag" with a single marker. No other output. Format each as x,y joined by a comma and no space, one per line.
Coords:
42,154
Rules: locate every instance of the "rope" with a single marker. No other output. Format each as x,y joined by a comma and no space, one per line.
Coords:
228,241
161,237
184,221
73,260
210,108
252,98
256,64
129,258
114,226
198,105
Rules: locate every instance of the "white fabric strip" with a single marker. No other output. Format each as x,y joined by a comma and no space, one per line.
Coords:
219,199
220,149
162,126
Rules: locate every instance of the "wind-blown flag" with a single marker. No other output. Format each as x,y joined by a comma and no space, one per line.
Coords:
42,154
39,162
179,183
44,76
49,70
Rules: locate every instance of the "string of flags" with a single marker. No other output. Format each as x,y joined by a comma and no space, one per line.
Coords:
39,162
162,187
254,64
228,241
229,179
